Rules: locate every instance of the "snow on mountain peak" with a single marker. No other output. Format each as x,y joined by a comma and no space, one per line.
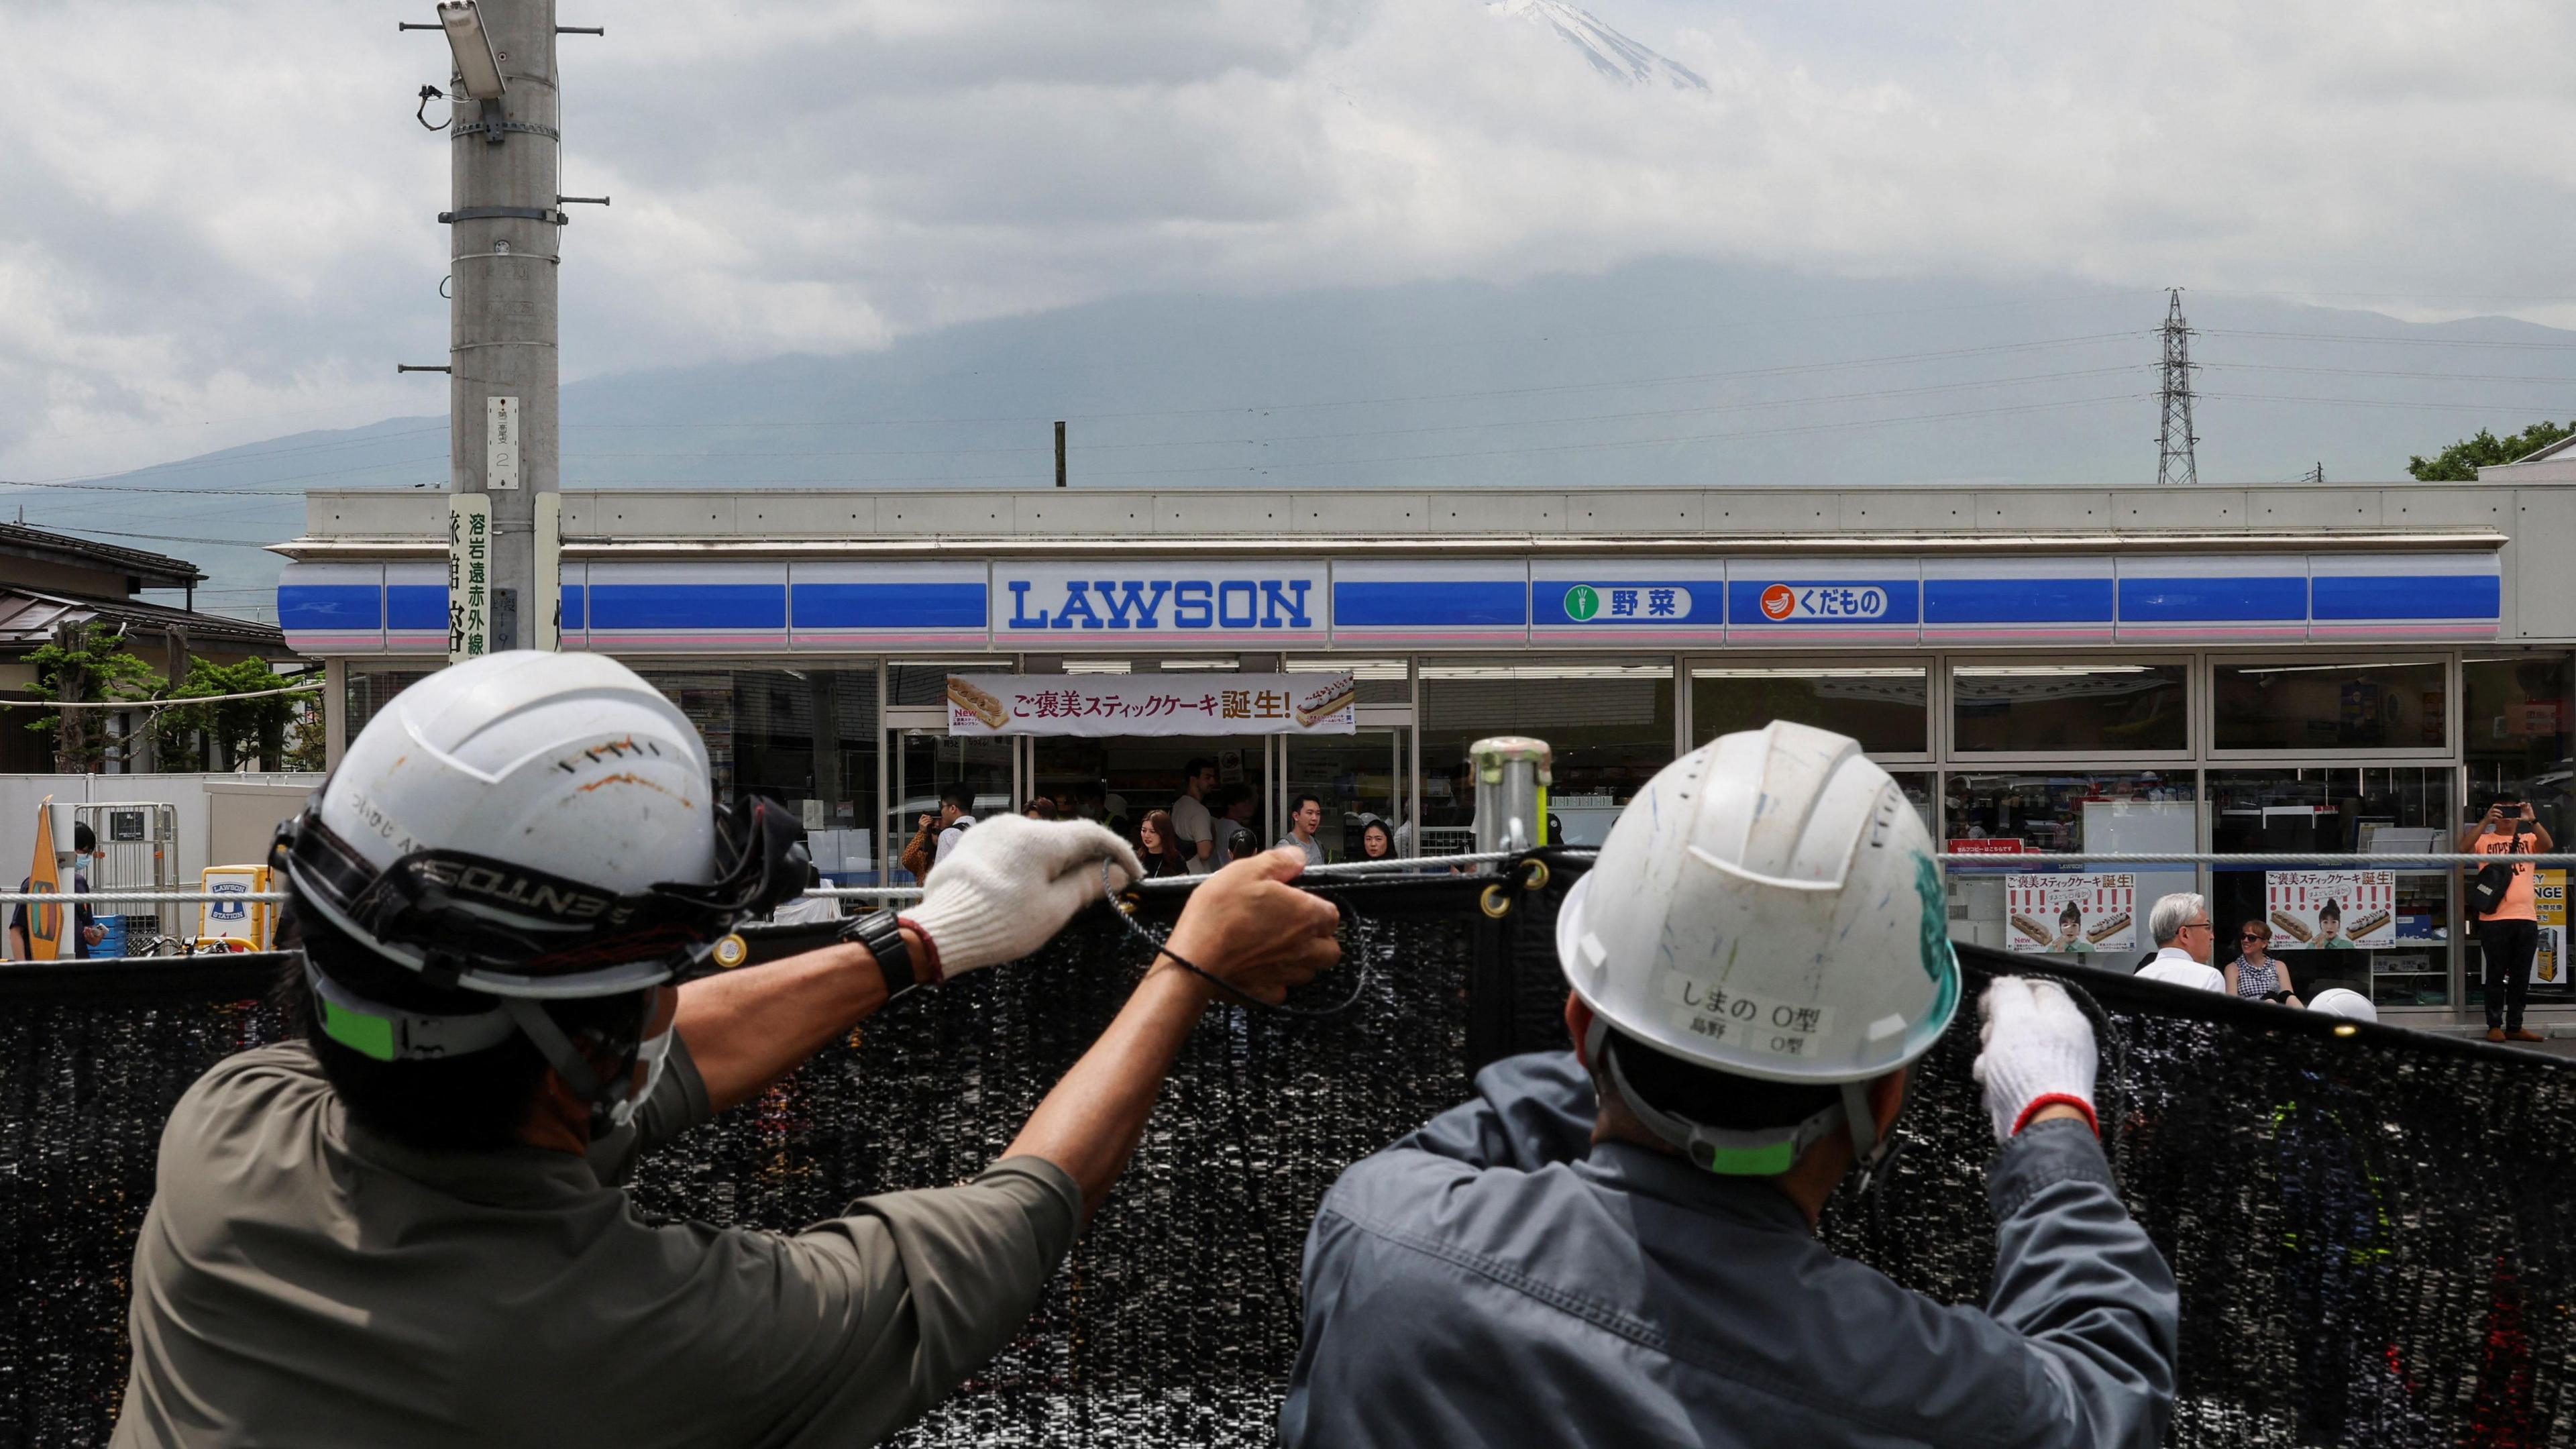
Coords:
1611,53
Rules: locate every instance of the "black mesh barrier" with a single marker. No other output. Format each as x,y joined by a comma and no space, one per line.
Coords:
2372,1229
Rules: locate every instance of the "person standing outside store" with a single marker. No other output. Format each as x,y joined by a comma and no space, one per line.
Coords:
1304,819
2508,934
940,833
1190,817
85,932
2180,925
1234,837
2256,974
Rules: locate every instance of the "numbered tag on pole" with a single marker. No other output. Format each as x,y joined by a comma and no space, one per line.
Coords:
500,444
469,577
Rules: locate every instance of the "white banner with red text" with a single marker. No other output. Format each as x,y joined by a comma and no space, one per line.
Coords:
1152,704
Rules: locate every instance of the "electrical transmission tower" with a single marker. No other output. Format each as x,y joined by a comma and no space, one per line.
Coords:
2174,438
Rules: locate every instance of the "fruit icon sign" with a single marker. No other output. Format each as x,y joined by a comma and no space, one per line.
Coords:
1779,601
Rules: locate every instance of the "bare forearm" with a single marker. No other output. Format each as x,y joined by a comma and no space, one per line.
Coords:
1090,1123
747,1028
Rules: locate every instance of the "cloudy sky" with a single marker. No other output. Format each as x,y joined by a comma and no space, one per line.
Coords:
218,217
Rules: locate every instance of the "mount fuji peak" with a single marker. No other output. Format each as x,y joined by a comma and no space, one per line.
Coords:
1611,53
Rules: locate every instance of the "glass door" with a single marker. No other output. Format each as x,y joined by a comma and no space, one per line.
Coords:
1359,777
928,762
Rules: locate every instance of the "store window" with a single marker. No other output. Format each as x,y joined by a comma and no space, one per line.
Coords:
2066,708
2023,817
1885,707
805,738
2384,933
2515,715
2387,705
1609,724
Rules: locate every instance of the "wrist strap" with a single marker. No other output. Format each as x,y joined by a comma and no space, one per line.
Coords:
882,933
928,969
2057,1099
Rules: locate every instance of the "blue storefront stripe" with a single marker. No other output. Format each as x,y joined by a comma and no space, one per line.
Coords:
889,606
341,607
416,608
2251,599
573,599
688,606
1429,604
2017,601
2409,596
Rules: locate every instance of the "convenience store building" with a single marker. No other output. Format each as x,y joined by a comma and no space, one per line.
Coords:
2045,669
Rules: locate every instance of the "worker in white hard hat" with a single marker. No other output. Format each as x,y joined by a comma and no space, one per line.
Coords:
406,1228
2345,1002
1615,1245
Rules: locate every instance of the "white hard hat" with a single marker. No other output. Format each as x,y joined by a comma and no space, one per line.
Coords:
1767,906
2341,1001
533,825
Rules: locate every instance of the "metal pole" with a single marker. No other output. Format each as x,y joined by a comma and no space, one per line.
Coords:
1059,452
505,238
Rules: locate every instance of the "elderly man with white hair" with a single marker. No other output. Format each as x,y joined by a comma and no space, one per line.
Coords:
2180,924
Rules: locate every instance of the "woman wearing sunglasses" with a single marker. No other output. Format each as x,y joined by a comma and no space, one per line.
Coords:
2256,973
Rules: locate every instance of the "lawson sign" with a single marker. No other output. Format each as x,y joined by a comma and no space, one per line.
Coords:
1117,604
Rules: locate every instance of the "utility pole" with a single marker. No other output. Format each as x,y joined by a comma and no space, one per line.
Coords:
2175,462
505,240
1059,452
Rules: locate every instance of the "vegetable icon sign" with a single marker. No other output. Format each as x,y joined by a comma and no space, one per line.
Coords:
1582,602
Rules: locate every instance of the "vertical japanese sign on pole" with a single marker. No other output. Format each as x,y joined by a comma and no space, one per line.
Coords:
549,582
469,576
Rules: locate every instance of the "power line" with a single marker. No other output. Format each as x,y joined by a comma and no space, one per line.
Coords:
2392,341
2175,460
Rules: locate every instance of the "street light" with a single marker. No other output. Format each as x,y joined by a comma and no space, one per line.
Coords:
478,66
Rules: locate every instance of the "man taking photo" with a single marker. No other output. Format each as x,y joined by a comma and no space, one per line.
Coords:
406,1228
2509,932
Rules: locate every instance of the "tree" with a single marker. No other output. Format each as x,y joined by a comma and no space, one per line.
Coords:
231,730
86,662
2460,462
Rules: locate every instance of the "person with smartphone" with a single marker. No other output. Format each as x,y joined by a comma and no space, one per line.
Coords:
2509,933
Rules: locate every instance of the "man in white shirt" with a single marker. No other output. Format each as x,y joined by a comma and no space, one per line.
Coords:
1190,819
2180,925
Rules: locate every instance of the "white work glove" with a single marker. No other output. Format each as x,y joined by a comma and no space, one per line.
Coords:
2039,1051
1010,884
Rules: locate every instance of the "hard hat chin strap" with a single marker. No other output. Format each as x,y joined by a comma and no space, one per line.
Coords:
611,1103
1761,1152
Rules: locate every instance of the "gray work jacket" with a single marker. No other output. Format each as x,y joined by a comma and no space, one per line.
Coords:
1495,1279
302,1281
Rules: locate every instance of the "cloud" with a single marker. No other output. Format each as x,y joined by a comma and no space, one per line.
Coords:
224,214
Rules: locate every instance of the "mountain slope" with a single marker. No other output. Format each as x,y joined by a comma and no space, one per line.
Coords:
1660,372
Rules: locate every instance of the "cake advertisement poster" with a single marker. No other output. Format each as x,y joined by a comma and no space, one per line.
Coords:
2330,910
2071,913
1152,704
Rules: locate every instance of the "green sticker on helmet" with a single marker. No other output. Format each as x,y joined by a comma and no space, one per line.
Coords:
1936,919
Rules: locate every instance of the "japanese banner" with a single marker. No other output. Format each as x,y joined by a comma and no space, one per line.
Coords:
1152,704
2326,910
2071,912
469,576
2549,902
